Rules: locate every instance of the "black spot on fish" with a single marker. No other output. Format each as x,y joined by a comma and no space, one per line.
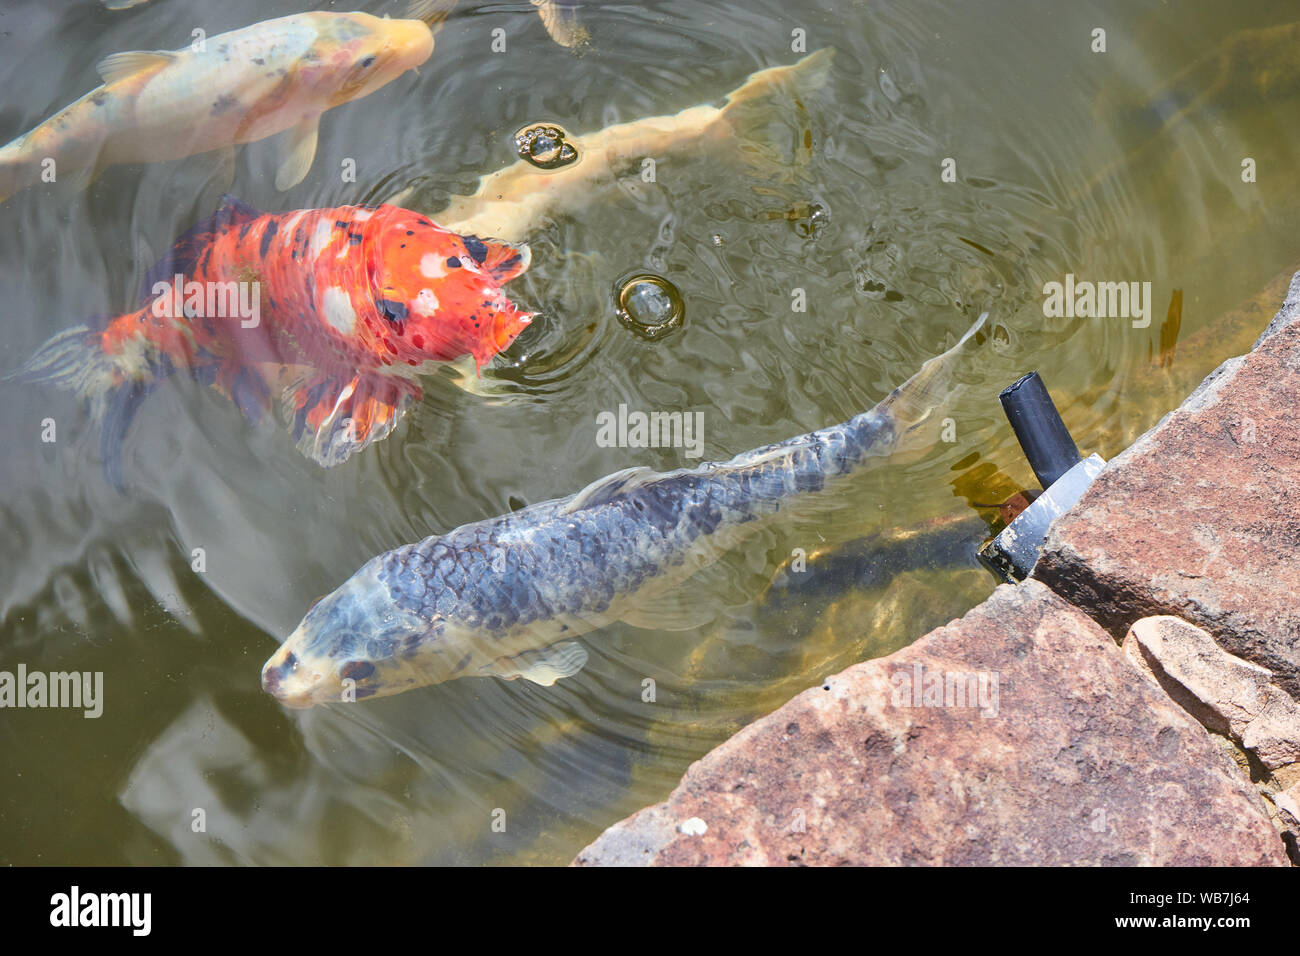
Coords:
410,232
354,238
243,230
341,224
267,235
453,262
357,670
99,98
463,663
393,311
259,61
476,249
223,103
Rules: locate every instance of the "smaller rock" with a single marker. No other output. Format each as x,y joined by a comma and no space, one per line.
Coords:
1226,694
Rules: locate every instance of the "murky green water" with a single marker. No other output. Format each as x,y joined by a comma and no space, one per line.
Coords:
1117,166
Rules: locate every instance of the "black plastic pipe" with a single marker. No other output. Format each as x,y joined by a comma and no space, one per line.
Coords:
1042,435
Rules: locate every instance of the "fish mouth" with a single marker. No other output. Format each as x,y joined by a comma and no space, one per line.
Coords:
290,681
506,327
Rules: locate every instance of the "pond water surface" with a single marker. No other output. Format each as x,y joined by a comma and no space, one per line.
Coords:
1123,165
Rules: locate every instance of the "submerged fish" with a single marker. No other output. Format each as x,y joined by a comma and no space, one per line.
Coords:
335,311
503,597
238,87
511,201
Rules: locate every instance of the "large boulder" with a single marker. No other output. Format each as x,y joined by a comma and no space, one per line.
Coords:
1199,517
1020,734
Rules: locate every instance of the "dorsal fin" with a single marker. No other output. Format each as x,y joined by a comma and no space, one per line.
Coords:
603,489
231,210
118,66
184,252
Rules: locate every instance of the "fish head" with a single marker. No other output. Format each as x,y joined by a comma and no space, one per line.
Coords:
355,643
365,52
439,294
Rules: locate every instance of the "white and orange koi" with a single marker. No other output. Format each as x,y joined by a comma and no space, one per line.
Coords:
234,88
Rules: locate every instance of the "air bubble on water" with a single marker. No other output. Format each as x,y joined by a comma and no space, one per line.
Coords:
649,305
545,146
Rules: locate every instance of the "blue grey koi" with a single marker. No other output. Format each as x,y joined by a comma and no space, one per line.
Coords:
506,596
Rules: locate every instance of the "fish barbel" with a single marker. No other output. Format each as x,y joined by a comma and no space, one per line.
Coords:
505,596
237,87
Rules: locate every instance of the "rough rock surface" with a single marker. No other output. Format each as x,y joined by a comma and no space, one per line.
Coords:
1199,518
1226,694
1063,754
1233,698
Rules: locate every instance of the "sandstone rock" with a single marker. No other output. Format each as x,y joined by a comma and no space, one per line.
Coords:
1199,518
1019,734
1226,694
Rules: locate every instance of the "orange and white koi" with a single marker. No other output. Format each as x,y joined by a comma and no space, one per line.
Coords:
336,312
237,87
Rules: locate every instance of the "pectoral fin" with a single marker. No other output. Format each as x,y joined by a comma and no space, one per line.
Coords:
301,153
119,66
80,179
331,420
546,666
694,603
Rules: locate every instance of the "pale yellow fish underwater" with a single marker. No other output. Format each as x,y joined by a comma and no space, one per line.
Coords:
233,88
510,202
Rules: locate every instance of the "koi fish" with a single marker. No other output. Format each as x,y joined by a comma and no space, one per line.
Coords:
505,597
237,87
510,201
337,311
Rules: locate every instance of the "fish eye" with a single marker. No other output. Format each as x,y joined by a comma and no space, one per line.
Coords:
368,61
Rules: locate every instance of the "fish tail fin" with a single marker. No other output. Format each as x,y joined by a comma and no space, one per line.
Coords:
915,402
75,361
777,92
804,76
